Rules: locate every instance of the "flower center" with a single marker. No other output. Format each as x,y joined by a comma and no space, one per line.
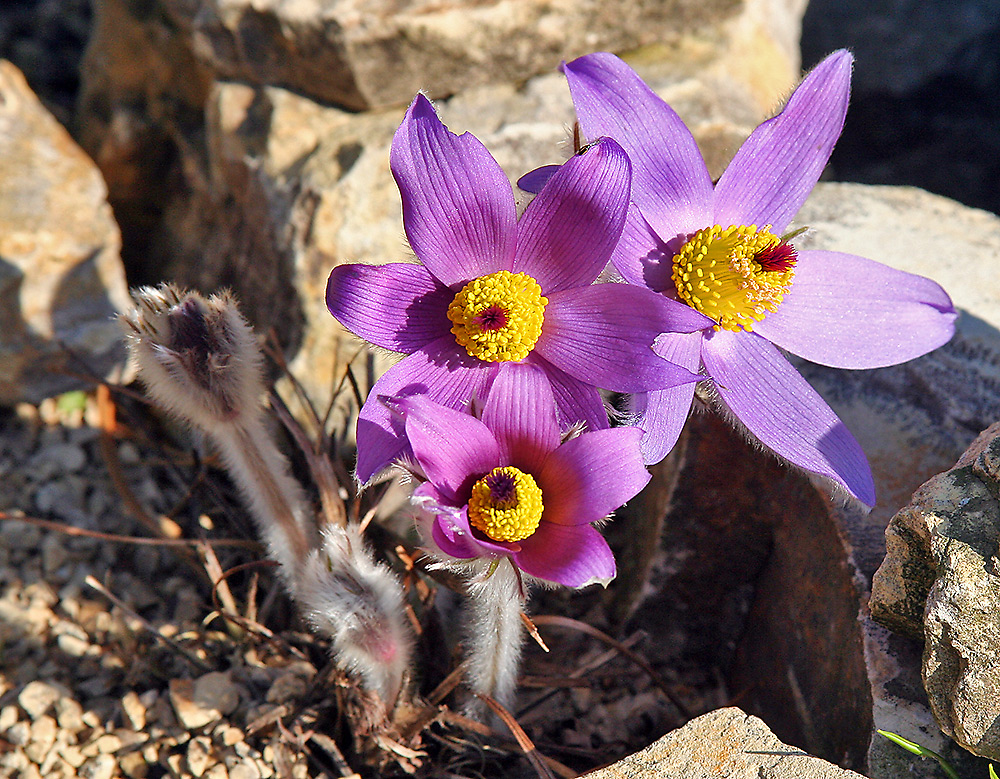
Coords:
735,275
498,318
506,504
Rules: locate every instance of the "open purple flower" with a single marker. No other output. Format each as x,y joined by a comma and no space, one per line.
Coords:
720,249
506,486
493,289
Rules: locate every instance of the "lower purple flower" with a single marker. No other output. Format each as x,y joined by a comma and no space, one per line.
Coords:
507,485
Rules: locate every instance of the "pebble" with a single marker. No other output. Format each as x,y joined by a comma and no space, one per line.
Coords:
288,686
43,736
134,710
69,715
100,767
38,697
200,702
199,752
8,716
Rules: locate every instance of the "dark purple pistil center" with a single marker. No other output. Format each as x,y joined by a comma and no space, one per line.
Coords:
491,318
501,485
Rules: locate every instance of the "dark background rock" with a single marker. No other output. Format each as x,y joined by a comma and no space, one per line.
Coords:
925,108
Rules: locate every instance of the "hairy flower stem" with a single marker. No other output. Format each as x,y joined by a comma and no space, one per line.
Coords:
495,635
200,361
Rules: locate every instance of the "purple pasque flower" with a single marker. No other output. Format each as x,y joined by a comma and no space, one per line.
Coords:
720,249
493,289
506,486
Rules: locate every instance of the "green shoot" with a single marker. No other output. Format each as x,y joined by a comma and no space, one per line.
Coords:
916,749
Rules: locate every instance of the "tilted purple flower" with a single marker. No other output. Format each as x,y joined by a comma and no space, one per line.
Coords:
504,485
720,249
493,289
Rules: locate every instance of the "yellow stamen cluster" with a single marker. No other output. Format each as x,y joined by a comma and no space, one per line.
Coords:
498,318
506,504
717,272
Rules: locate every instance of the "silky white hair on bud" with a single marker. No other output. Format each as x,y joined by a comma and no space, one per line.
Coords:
200,361
346,595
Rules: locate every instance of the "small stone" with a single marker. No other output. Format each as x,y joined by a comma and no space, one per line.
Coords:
72,755
108,743
134,765
245,769
204,701
38,697
8,716
198,753
288,686
69,715
43,736
217,771
231,736
68,458
134,710
100,767
73,645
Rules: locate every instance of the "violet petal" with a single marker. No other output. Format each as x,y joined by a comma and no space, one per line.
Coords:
576,401
442,371
521,412
671,184
777,167
663,413
572,556
567,233
641,257
453,448
591,475
534,180
604,335
782,411
398,306
458,206
851,312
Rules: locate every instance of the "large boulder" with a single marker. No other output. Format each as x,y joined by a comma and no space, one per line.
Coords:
61,277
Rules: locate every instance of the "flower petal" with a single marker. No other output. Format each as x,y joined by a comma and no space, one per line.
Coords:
851,312
458,206
534,180
521,412
572,556
671,184
567,233
441,371
453,448
663,413
398,306
782,411
576,401
604,335
776,168
641,256
591,475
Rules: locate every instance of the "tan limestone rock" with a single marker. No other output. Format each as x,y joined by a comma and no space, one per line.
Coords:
61,278
725,742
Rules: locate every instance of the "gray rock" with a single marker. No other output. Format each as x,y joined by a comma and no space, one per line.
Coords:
726,742
940,581
61,278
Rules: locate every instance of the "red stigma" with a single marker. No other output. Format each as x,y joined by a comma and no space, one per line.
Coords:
491,318
779,257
